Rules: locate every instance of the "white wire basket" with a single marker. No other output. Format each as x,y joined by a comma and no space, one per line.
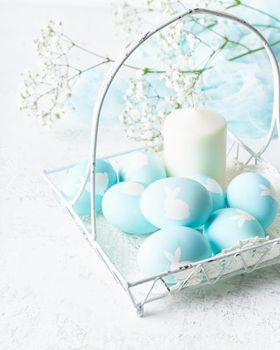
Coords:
118,251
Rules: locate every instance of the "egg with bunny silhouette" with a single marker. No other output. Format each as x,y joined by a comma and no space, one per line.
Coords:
226,227
259,199
171,249
140,166
121,208
215,190
105,177
176,201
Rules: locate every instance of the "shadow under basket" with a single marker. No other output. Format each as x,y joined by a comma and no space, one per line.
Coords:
119,251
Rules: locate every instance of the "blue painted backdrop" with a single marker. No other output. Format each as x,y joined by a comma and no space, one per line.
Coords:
240,90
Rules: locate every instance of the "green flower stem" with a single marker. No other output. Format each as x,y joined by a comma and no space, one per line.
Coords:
210,28
266,26
259,11
209,59
196,72
240,3
88,69
106,58
148,70
235,4
275,43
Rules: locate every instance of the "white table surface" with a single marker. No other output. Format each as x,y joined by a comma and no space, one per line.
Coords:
54,292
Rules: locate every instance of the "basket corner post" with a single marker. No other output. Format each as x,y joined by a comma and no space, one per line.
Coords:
140,310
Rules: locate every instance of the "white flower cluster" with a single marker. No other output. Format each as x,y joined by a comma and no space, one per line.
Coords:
141,119
176,47
43,93
123,13
132,16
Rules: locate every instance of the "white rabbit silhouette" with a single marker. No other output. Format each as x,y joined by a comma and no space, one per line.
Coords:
101,183
132,188
212,186
175,263
175,208
81,181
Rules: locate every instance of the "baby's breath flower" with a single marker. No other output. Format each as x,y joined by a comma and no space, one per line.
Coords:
141,118
44,92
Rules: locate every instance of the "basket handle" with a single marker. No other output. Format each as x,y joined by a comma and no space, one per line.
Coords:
132,47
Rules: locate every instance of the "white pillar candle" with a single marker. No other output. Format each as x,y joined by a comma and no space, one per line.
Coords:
195,143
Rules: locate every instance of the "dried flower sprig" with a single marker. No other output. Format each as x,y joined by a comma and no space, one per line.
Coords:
45,91
182,72
142,116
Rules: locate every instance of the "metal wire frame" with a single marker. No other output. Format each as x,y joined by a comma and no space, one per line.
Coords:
150,292
237,143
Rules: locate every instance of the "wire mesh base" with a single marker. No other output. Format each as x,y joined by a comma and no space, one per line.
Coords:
118,251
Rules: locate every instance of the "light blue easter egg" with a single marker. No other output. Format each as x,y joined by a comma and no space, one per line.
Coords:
215,190
168,249
140,166
226,227
253,193
176,201
121,207
105,177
